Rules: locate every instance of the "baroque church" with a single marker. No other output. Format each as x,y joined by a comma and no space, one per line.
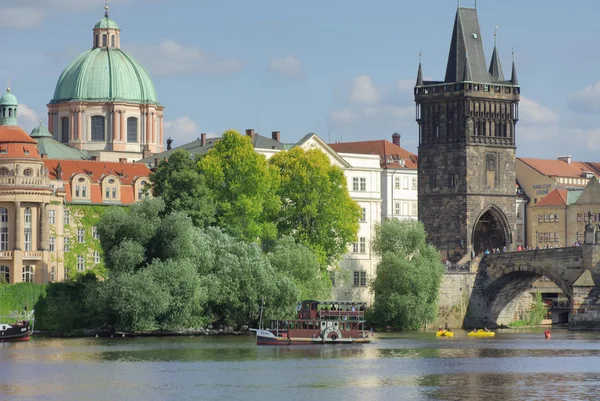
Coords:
467,131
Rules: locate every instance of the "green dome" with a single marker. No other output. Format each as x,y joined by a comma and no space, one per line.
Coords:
106,23
8,99
40,131
105,75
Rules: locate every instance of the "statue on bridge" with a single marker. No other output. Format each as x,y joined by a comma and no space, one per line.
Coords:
591,235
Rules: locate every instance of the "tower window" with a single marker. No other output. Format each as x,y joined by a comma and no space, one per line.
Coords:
132,129
98,128
64,129
97,41
474,36
104,40
112,41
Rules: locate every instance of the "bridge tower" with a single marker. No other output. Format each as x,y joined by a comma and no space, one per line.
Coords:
467,147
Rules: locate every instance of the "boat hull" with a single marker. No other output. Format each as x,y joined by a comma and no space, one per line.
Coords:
16,333
260,340
444,333
482,334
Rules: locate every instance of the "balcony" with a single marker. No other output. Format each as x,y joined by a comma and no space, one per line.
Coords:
32,255
4,255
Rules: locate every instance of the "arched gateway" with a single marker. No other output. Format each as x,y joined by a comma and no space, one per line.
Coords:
491,231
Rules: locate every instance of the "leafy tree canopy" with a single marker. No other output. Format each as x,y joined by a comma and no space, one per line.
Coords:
179,183
408,276
244,186
316,207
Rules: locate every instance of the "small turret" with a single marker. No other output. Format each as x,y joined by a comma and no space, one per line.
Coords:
513,79
495,65
420,75
8,108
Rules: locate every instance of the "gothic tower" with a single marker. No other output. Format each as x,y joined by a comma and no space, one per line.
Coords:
467,147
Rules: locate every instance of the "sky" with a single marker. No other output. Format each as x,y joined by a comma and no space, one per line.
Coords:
344,69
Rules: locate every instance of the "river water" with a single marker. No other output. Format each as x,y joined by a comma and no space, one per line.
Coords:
515,365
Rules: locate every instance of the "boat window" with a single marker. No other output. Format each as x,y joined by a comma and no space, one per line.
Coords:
314,306
291,325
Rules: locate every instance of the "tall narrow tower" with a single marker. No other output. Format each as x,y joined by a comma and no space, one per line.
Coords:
467,147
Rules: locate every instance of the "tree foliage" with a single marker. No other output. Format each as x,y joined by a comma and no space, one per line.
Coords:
244,187
183,188
316,207
408,276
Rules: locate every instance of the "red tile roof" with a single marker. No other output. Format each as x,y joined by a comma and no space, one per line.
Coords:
558,197
559,168
385,149
15,143
97,170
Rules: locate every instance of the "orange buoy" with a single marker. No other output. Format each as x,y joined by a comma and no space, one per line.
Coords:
547,334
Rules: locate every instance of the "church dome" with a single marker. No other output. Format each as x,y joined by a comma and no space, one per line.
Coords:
105,75
8,99
106,23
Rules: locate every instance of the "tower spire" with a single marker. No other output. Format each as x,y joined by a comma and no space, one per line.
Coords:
495,65
106,9
420,72
513,79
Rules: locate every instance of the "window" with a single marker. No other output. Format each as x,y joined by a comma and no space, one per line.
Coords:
142,190
5,274
432,181
545,218
53,274
81,188
397,182
96,257
67,217
52,216
415,205
405,183
27,229
556,218
3,171
332,278
80,263
52,244
28,172
98,128
80,235
363,215
452,178
104,40
363,184
551,218
519,232
28,274
579,217
3,229
95,232
112,40
556,237
397,209
97,41
540,237
415,184
355,184
540,218
132,129
545,237
360,279
64,129
362,242
114,192
66,244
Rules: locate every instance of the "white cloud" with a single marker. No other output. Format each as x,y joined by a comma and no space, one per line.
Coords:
586,100
533,113
171,58
364,91
287,66
28,118
182,130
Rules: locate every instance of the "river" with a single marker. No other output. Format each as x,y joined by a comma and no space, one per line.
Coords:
515,365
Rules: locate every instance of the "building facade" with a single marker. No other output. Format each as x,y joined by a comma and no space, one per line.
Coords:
467,147
105,102
399,180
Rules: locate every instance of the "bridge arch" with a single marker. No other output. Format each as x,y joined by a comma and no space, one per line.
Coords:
491,230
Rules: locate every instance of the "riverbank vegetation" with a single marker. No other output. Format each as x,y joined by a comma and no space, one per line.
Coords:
535,315
409,276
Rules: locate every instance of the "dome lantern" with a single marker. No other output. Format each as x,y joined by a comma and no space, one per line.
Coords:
8,108
107,33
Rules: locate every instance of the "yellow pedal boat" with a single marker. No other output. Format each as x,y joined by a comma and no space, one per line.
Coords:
444,333
481,333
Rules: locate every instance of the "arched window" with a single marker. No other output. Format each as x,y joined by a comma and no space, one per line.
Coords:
28,274
64,129
98,128
132,129
104,40
10,112
5,274
97,41
27,229
111,189
112,41
80,263
81,188
3,229
141,190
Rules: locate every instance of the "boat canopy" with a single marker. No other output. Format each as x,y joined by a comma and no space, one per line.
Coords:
335,302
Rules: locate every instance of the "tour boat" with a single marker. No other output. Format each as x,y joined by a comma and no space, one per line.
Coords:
481,333
444,333
17,327
318,322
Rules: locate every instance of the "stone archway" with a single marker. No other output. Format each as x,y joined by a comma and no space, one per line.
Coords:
491,230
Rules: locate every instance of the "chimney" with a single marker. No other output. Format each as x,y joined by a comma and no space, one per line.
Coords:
250,133
202,139
94,158
276,135
567,159
122,160
396,139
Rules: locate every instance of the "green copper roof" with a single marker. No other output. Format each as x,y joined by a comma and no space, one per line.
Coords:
8,99
55,150
40,131
106,23
573,195
105,75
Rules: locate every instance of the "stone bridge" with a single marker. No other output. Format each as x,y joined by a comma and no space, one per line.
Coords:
501,278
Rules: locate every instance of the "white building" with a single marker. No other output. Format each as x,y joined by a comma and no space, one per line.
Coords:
398,175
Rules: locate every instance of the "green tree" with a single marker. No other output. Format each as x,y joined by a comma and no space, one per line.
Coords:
316,207
244,187
408,276
300,264
179,183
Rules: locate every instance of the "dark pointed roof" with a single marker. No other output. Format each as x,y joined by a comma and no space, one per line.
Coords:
420,76
513,79
466,35
467,77
495,66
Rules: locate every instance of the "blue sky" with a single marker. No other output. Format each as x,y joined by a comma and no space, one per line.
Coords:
341,68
